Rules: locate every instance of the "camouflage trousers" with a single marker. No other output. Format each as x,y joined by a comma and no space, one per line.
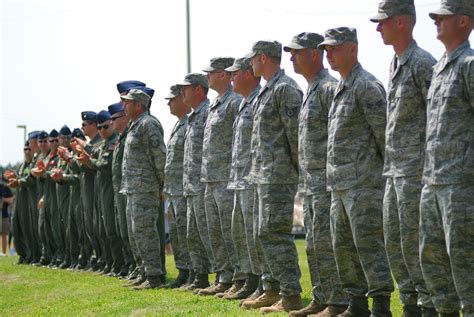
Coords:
218,201
447,246
242,235
357,238
321,262
177,209
144,212
401,223
122,228
131,238
197,235
275,223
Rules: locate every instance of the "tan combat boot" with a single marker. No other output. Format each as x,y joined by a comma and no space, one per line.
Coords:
268,298
219,288
286,303
312,308
234,289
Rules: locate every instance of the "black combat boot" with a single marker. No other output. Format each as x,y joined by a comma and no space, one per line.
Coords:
180,279
358,307
381,306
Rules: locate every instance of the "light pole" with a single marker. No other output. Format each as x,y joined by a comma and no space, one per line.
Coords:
188,36
22,126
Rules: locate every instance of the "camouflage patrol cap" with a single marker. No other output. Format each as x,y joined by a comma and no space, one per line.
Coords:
195,79
389,8
175,91
454,7
242,63
137,95
337,36
219,63
304,40
269,48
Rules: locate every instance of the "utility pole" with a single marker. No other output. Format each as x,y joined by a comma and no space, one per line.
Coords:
188,36
21,126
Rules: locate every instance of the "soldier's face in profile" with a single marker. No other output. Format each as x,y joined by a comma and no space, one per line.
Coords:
238,80
129,108
187,92
256,62
388,29
338,56
300,59
43,145
34,145
447,27
53,143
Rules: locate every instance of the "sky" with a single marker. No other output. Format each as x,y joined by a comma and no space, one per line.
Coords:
59,58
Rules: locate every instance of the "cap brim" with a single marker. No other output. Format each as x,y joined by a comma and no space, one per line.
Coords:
171,96
440,11
184,83
250,55
232,68
379,17
208,69
293,46
329,42
126,97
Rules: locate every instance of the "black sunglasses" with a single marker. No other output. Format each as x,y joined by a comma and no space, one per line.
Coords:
53,140
105,126
115,118
26,149
42,141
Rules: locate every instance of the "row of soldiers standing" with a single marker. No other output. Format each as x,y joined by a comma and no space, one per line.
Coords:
233,167
69,208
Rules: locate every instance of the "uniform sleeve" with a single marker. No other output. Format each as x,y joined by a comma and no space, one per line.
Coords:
422,74
290,100
469,80
155,148
372,101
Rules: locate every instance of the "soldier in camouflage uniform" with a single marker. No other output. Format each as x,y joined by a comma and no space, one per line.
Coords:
173,187
216,159
249,258
89,126
142,176
410,77
274,171
356,142
312,151
447,198
194,90
120,124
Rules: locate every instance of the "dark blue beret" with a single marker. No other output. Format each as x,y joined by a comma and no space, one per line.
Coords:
43,135
77,133
103,116
53,133
65,130
33,135
89,116
125,86
147,90
115,108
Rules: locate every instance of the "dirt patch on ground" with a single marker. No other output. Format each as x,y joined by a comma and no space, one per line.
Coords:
8,278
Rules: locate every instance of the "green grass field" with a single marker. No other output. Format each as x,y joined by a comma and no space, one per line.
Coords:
33,291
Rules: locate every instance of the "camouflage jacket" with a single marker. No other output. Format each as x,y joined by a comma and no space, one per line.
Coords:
174,159
274,145
217,141
144,156
193,150
242,128
410,77
313,133
356,132
449,155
